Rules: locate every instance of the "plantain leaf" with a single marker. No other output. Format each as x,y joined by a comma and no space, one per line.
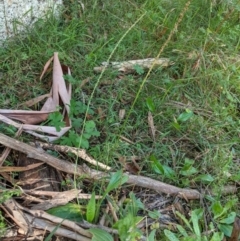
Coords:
151,235
184,220
206,178
100,235
91,208
196,228
185,116
150,104
170,235
182,230
69,211
116,180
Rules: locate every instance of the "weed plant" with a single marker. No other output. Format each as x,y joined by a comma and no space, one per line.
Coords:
194,103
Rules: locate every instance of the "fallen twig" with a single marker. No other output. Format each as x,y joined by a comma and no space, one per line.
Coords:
64,232
150,183
131,65
67,167
7,150
74,192
19,169
41,155
58,198
76,151
42,220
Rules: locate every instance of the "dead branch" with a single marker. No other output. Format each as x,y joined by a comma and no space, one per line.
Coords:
58,198
76,151
72,193
41,155
64,232
67,167
42,220
130,66
19,169
150,183
7,150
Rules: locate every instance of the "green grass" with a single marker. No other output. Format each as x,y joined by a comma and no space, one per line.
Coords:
204,80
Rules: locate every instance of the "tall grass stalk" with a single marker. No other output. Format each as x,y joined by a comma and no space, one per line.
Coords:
179,20
99,78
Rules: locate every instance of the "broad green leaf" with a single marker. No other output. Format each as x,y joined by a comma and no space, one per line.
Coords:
185,116
56,119
84,143
205,178
70,211
188,163
135,204
70,79
90,126
91,208
151,236
226,229
204,238
156,165
127,227
188,172
77,107
77,123
150,104
217,209
189,238
199,213
168,171
154,214
87,135
138,69
96,133
176,125
184,220
194,218
230,219
230,97
170,235
188,169
217,236
70,140
100,235
161,169
116,180
182,230
230,204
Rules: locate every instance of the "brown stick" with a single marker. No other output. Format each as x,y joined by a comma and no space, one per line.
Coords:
76,151
150,183
37,154
67,167
129,66
7,150
42,220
